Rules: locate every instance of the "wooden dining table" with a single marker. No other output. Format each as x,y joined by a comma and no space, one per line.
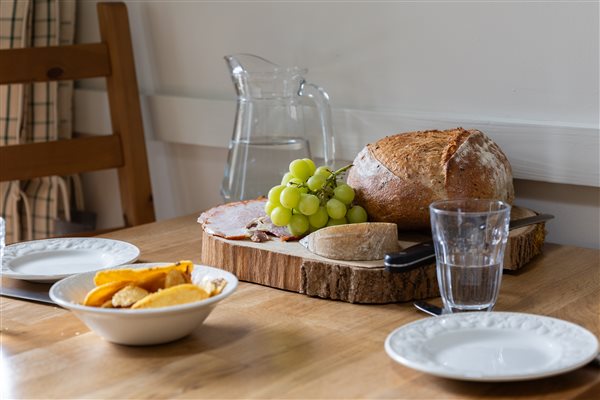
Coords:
269,343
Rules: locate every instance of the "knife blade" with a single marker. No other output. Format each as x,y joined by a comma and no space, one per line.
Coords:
428,308
424,253
25,294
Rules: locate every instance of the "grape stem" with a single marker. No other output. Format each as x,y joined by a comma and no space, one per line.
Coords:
326,192
340,171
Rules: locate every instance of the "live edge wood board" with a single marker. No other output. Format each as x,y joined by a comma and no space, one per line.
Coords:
289,266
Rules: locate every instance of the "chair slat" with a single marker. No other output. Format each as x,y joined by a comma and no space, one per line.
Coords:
60,157
126,116
42,64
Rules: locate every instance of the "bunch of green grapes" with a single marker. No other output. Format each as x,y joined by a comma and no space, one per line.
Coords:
310,198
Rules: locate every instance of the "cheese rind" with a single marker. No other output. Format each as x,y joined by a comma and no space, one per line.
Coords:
354,242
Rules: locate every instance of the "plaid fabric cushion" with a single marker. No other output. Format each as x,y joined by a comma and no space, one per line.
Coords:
35,113
42,197
42,122
13,33
66,35
9,203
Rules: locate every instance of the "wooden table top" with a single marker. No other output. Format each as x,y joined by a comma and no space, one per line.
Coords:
268,343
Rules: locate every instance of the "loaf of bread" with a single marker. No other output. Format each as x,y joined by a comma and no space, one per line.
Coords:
397,177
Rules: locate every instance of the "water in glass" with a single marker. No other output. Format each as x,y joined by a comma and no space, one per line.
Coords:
470,239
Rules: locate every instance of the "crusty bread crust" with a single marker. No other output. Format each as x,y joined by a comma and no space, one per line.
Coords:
397,177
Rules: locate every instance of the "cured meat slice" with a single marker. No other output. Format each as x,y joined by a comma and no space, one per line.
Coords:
265,224
238,220
230,220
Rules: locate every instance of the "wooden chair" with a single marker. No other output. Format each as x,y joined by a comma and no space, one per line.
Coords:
124,150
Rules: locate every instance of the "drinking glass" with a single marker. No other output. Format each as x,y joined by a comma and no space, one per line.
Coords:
470,238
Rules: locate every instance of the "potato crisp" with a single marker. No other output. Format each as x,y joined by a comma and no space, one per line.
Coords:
152,287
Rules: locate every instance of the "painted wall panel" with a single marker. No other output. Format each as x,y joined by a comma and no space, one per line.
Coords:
529,63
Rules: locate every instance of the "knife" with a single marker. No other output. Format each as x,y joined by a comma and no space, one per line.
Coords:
424,253
429,308
25,294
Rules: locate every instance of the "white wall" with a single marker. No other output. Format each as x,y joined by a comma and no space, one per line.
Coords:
504,66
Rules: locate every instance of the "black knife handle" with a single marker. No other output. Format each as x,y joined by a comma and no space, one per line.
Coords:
410,258
424,253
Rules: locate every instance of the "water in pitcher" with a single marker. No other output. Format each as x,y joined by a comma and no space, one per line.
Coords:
470,287
259,164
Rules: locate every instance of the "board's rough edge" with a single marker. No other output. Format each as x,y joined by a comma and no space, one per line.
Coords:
335,281
326,280
523,248
368,285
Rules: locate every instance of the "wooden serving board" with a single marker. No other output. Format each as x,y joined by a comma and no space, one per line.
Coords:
290,266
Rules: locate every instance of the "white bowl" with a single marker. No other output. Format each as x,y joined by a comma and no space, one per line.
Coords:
139,327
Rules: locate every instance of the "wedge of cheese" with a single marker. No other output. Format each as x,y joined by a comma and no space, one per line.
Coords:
354,242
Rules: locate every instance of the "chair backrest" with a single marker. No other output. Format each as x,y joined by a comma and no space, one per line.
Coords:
124,150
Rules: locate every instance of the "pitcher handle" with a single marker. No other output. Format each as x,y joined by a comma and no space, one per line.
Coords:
321,99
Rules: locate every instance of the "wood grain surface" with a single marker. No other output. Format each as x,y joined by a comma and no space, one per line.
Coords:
269,343
64,157
290,266
54,63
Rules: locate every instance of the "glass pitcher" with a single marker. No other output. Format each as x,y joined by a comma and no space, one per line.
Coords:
269,130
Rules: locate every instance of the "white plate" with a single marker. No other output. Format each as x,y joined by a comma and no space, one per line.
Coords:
52,259
496,346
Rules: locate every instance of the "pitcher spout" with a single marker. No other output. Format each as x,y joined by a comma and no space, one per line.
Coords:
258,78
245,63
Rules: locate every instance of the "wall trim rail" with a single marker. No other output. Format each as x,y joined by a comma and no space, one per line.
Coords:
545,151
